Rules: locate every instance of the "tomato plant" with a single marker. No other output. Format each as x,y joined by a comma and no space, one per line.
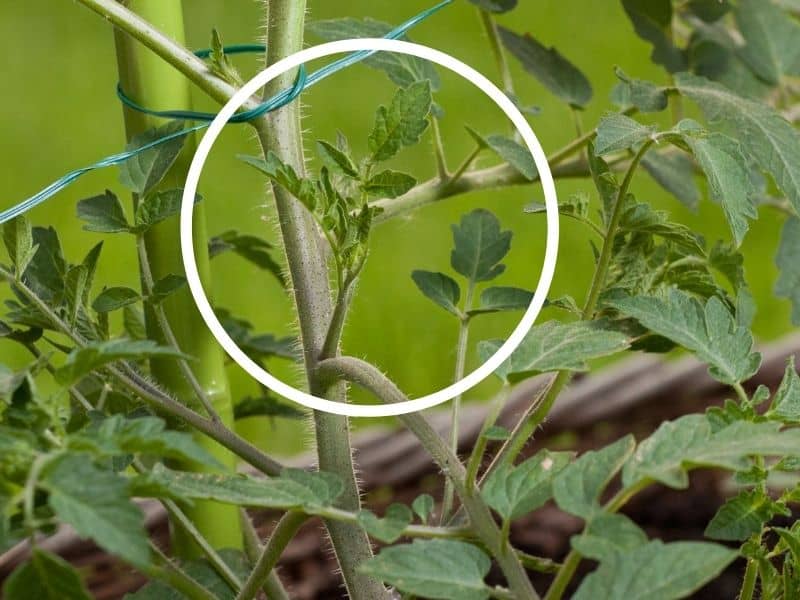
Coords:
142,406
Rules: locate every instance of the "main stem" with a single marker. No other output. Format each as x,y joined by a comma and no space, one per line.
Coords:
154,83
280,132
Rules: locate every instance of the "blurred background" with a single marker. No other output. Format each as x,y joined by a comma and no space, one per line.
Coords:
59,111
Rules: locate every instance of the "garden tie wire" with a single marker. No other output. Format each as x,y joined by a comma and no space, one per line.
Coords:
282,98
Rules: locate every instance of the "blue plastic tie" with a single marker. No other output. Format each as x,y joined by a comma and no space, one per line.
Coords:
282,98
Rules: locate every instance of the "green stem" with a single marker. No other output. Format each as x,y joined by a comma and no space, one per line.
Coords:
490,27
272,587
438,150
280,132
174,577
482,522
284,531
152,82
476,457
155,396
749,581
573,559
461,360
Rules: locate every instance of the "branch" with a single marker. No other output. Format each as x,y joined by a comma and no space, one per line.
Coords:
482,522
165,47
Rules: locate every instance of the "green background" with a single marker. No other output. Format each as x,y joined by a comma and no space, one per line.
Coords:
59,111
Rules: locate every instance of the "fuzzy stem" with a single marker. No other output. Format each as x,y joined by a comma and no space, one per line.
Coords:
285,530
152,82
438,150
481,520
272,587
461,361
749,581
280,132
490,27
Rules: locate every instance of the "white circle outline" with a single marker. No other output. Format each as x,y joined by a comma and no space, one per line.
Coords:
308,55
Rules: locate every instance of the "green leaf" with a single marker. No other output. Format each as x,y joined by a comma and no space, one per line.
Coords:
114,298
133,323
709,331
788,263
294,489
608,535
676,446
515,154
502,298
220,64
652,21
265,406
709,10
656,571
495,6
674,171
423,506
103,214
158,207
166,286
514,491
403,123
786,402
577,488
285,176
389,184
117,436
641,218
402,69
390,528
438,569
96,503
742,516
617,132
18,238
555,346
479,246
336,160
764,134
249,247
96,355
772,40
643,95
75,291
144,172
727,172
45,577
440,288
547,65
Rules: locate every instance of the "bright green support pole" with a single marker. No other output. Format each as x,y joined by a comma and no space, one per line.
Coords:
152,82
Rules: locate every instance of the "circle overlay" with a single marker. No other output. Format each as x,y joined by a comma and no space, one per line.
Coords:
294,61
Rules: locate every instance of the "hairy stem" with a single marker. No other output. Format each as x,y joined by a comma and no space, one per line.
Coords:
152,82
284,531
749,581
481,520
461,361
272,587
280,132
490,27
